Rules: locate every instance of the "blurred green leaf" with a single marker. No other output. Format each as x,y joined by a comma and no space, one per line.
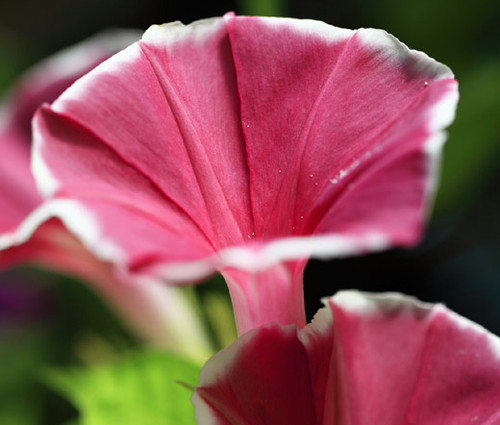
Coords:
263,7
15,57
14,411
217,310
221,317
143,388
85,316
452,34
473,151
22,352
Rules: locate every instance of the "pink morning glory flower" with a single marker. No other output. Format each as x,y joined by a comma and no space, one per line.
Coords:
152,309
245,145
365,359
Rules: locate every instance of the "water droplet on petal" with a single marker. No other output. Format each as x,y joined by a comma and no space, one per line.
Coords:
426,83
279,171
311,175
334,181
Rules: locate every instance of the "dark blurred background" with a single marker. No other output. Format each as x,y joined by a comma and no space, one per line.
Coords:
457,263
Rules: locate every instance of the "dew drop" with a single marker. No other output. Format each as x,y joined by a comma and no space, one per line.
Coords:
334,181
253,234
302,217
293,227
248,236
279,171
311,175
315,184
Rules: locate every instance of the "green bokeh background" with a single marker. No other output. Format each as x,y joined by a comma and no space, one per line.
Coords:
457,263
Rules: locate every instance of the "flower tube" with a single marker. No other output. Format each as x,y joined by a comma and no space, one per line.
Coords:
246,145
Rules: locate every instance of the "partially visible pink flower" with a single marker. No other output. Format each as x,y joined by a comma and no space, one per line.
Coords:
158,313
44,83
365,359
246,145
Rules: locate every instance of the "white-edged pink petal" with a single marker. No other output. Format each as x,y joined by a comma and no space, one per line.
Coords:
405,361
371,359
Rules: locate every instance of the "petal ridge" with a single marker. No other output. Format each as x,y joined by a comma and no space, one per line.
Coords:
306,131
176,106
425,353
228,19
185,122
122,200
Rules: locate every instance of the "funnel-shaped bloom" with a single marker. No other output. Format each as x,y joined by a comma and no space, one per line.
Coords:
149,307
365,359
246,145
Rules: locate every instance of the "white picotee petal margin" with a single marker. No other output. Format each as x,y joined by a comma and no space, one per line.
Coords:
172,32
467,324
259,257
307,27
440,116
46,183
77,219
366,303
